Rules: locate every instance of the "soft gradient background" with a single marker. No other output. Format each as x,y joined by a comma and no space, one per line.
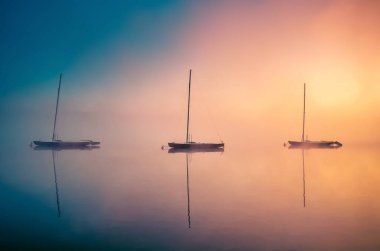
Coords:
126,65
125,68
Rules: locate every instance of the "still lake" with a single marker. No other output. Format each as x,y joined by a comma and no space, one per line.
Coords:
140,197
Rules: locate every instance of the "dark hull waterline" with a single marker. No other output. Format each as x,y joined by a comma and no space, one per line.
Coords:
193,145
59,148
315,144
65,144
195,150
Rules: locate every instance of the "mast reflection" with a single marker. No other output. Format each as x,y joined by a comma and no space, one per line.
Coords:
303,173
303,178
188,189
56,185
54,151
303,165
189,153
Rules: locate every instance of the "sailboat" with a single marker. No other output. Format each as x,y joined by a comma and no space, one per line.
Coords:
308,143
188,144
55,142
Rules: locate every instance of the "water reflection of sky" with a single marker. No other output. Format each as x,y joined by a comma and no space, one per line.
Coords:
137,198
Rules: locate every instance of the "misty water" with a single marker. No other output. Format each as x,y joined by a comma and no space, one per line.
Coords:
132,195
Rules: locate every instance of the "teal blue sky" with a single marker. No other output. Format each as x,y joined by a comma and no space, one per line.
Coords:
40,39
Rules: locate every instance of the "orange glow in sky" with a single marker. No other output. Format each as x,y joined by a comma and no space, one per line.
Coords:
249,64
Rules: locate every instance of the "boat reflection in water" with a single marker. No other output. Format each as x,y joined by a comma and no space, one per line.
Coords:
56,185
303,148
188,190
188,152
54,153
303,178
303,174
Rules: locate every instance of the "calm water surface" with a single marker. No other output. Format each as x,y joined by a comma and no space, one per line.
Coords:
139,197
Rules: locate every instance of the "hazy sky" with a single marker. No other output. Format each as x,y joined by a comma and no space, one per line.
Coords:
130,59
43,38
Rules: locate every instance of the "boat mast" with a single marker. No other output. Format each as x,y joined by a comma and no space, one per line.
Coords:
303,125
56,106
188,111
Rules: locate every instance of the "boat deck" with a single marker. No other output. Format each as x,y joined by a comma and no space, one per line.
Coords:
67,144
194,145
315,144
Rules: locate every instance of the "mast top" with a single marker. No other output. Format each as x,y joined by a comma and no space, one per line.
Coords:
304,108
188,111
56,107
